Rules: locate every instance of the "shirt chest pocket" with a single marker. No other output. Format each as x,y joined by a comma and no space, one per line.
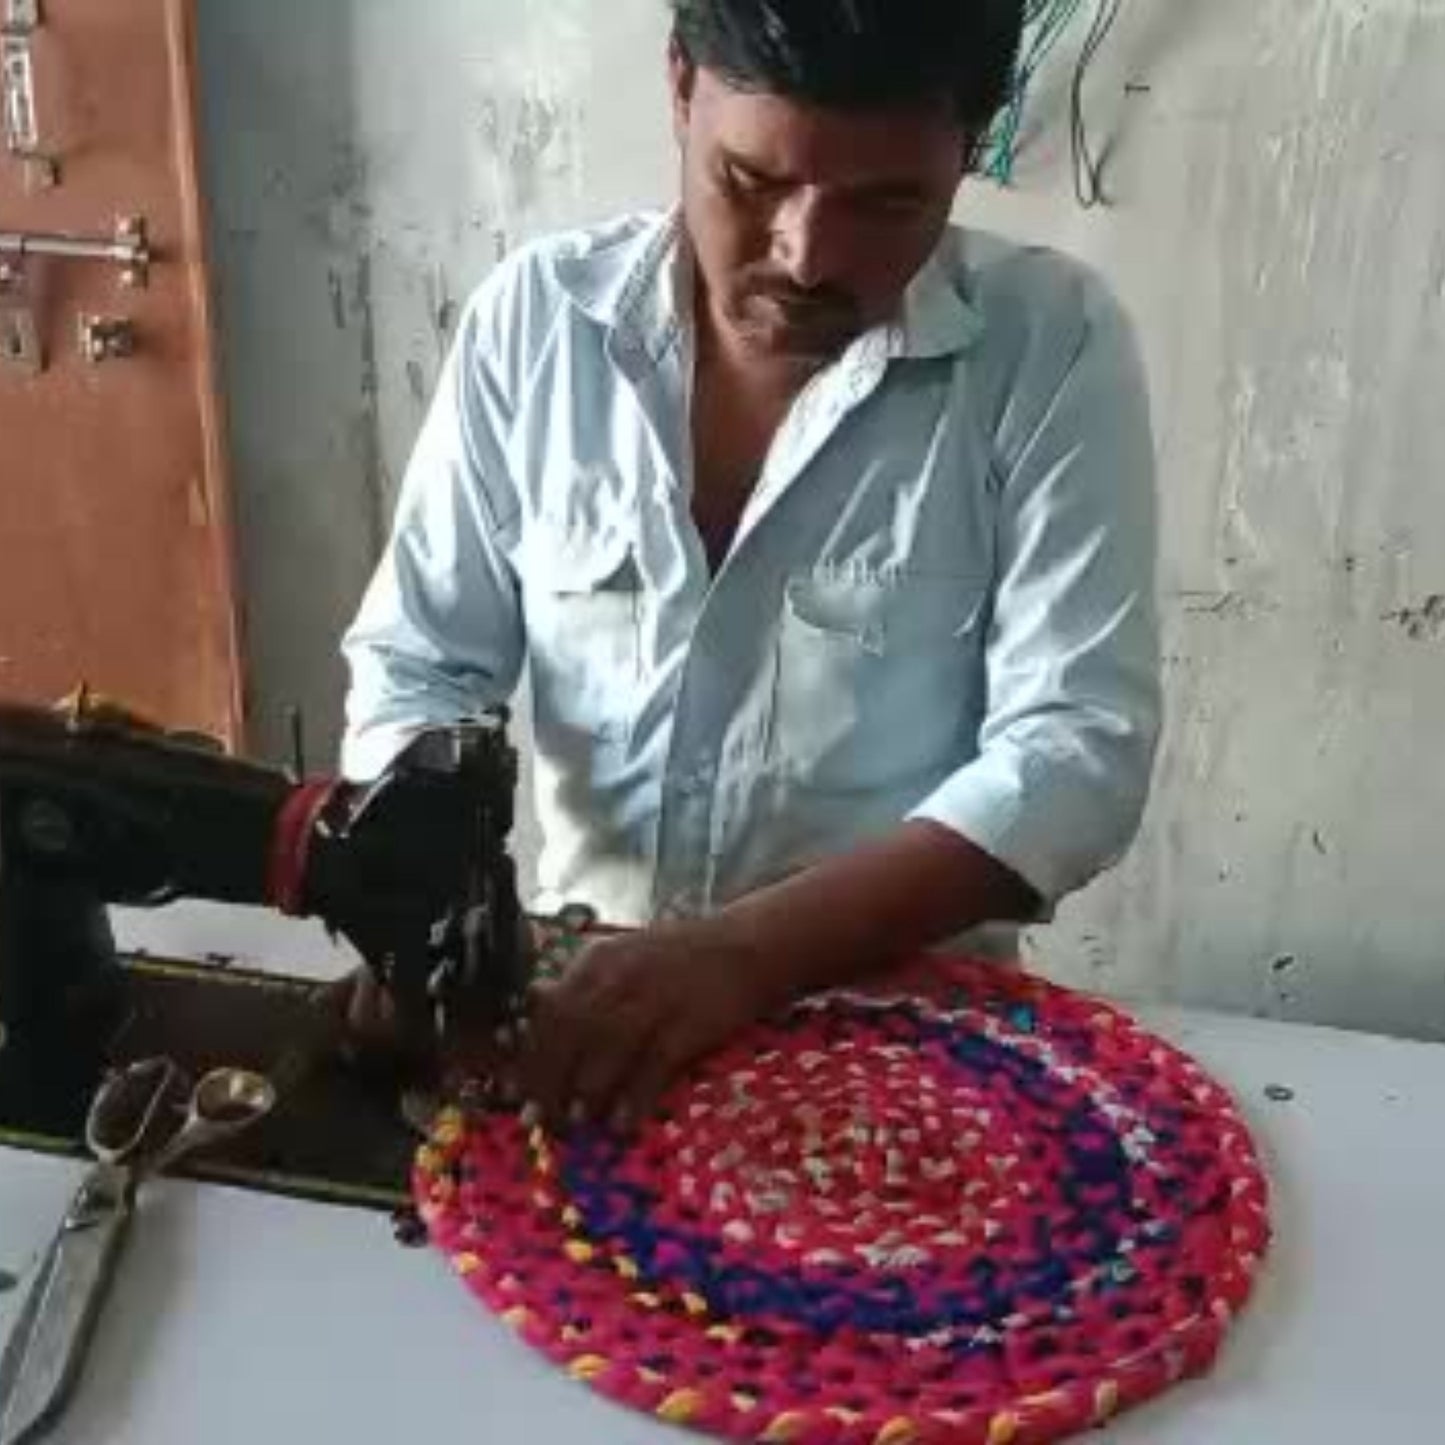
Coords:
584,606
878,679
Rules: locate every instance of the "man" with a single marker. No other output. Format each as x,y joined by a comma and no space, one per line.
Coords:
826,530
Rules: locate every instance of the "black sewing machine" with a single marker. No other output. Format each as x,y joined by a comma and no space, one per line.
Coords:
98,807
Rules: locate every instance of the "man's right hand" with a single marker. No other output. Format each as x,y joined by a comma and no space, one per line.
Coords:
366,1010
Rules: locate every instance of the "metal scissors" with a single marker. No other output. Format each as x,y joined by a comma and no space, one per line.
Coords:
131,1129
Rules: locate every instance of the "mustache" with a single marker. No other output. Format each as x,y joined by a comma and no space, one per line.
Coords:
813,301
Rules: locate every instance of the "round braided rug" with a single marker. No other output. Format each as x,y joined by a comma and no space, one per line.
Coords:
974,1208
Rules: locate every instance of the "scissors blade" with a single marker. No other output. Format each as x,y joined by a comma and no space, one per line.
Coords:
47,1345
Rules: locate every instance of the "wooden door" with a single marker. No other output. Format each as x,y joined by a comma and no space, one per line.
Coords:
116,564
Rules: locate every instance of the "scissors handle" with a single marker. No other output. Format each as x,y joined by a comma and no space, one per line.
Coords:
225,1102
194,1134
47,1346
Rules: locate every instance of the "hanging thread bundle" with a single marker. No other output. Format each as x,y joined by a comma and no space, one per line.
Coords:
1046,23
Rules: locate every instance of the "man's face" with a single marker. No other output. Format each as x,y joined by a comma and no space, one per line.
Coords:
808,224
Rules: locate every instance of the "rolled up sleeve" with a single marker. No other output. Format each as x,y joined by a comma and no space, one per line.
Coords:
439,634
1073,709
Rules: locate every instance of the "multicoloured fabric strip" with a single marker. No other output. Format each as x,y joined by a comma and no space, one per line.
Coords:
972,1208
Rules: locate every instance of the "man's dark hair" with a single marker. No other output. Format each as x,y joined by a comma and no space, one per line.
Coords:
860,54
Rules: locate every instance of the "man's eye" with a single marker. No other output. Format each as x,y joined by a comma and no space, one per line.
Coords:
747,183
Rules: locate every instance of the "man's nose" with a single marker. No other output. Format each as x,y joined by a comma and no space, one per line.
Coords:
803,246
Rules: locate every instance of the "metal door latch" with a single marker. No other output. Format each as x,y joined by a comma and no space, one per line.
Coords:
106,338
129,248
101,338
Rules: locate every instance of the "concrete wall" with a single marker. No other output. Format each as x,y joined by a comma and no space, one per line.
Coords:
1278,228
367,161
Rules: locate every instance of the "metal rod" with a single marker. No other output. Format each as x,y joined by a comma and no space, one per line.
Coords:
297,720
125,251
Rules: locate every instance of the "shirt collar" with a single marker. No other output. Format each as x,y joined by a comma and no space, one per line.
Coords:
634,289
938,318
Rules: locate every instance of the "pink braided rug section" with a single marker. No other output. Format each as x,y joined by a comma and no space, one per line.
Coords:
971,1208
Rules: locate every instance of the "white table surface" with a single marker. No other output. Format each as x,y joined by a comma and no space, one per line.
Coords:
241,1318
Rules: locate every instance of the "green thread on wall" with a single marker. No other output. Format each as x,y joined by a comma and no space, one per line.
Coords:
1046,22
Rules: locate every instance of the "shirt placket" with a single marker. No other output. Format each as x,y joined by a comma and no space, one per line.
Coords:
689,829
650,354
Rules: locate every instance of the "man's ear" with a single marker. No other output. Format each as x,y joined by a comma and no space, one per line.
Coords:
682,80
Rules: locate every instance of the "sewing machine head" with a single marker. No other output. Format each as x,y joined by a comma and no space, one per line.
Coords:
98,807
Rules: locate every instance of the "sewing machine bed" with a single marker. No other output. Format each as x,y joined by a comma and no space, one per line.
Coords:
336,1136
332,1138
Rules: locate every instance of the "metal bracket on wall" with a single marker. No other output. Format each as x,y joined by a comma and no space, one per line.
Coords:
18,21
21,17
106,338
20,349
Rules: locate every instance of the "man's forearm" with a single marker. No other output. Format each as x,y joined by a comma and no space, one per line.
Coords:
855,915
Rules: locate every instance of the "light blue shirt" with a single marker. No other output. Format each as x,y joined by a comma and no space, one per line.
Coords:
939,604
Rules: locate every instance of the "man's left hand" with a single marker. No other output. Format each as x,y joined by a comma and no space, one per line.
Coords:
606,1040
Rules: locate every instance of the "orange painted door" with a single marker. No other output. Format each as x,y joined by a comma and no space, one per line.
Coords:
116,557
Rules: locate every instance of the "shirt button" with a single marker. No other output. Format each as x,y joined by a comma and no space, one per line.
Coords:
679,907
693,785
